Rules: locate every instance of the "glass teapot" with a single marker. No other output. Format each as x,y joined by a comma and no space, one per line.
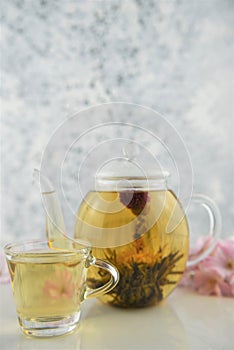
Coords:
137,223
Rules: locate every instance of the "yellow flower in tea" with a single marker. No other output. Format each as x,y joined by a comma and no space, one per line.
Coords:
61,286
137,254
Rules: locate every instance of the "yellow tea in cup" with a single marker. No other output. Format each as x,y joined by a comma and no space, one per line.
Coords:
49,284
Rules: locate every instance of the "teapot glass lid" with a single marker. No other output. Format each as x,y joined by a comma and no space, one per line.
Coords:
132,171
115,143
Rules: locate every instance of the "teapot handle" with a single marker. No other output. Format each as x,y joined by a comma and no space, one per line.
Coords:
215,225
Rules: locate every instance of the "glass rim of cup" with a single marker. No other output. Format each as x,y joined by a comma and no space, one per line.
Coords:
26,250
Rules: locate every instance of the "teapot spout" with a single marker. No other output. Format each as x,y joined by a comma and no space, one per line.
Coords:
55,226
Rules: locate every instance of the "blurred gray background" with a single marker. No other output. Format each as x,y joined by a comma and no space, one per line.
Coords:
58,57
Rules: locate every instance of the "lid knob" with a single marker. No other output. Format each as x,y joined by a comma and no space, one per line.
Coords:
131,150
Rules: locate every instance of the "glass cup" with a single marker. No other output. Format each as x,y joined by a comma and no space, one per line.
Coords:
49,284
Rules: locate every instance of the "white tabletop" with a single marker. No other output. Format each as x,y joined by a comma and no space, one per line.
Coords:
184,321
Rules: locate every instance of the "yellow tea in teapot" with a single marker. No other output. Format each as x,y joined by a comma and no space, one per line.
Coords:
145,235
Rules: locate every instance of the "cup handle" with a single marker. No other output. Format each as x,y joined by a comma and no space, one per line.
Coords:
107,287
215,225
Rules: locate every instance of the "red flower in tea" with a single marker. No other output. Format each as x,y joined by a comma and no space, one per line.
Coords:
61,286
134,200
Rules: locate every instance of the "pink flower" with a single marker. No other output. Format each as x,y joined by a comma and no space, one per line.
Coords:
215,274
61,286
210,282
4,273
230,281
223,259
202,244
187,279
